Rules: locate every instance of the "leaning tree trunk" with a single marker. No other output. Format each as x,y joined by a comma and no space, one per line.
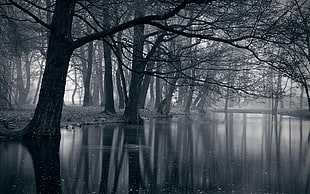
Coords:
46,120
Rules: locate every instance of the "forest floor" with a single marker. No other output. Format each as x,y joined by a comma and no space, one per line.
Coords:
19,117
71,115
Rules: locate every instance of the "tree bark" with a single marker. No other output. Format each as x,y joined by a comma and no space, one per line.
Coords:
46,120
39,83
87,75
121,99
165,104
308,96
75,86
150,64
189,99
100,75
301,96
108,79
131,114
158,91
144,89
23,88
120,68
152,95
96,84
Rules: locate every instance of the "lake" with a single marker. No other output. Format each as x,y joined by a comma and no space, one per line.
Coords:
213,153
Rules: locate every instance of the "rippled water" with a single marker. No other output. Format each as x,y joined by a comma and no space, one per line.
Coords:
217,153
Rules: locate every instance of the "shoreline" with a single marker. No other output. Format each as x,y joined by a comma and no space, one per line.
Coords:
79,115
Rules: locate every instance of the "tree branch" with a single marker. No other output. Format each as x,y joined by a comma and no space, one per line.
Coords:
30,14
143,20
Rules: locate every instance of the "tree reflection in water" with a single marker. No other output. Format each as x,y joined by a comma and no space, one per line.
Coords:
239,153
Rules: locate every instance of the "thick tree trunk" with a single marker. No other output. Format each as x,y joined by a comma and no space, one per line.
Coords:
46,120
131,114
108,79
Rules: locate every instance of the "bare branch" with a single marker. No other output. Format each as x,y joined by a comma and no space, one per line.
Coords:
143,20
30,14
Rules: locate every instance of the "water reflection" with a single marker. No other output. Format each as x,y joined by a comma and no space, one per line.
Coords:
233,153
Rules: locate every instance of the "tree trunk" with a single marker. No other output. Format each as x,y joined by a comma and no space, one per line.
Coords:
301,100
22,92
46,120
308,96
100,75
152,95
120,68
189,99
108,79
144,89
131,114
75,86
277,95
39,83
164,105
150,64
158,91
121,99
4,85
96,83
181,96
88,71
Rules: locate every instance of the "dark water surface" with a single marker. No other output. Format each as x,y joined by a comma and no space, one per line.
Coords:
236,153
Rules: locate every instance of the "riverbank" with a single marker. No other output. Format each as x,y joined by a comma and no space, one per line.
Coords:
19,117
301,113
76,115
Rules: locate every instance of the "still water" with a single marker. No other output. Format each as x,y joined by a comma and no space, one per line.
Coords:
217,153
